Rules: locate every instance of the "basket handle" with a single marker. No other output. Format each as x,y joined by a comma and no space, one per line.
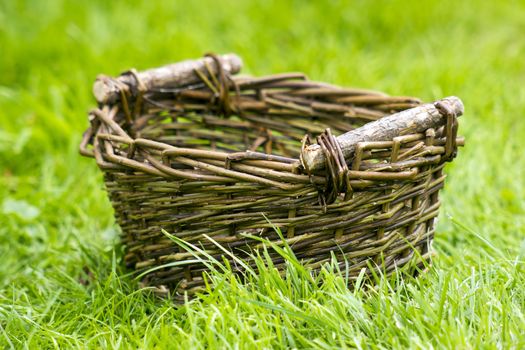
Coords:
410,121
108,90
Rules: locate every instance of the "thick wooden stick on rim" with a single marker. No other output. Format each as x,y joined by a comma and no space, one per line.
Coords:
410,121
107,89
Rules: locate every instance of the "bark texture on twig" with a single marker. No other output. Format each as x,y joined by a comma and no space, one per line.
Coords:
410,121
107,89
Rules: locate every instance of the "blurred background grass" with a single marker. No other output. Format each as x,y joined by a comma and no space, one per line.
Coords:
55,218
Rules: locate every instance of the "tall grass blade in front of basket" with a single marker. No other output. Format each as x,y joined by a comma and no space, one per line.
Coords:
297,282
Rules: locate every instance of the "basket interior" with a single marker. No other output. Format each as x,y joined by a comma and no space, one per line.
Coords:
264,115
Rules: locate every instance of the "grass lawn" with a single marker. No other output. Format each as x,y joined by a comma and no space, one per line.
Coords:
56,222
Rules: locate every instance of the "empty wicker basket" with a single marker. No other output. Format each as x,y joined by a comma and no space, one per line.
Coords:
194,150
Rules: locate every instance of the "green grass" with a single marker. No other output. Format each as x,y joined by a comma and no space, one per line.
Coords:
56,225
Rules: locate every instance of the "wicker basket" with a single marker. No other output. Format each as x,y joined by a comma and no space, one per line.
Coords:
196,151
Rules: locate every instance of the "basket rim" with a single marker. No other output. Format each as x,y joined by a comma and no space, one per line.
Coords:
340,155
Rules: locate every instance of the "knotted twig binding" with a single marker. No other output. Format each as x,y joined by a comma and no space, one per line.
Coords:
108,90
410,121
